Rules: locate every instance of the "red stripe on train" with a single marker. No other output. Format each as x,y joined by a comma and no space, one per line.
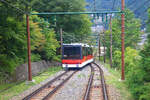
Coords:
76,61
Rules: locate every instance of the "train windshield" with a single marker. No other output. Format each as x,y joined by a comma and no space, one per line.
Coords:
72,53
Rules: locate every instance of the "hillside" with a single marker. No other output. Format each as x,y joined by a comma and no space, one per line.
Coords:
139,7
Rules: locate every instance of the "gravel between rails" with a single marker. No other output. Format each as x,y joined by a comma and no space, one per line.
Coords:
30,90
75,88
96,92
113,93
42,94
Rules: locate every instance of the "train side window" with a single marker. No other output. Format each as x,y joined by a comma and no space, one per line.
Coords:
90,51
84,51
87,51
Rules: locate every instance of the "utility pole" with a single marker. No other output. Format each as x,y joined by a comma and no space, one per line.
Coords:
29,48
110,41
61,39
99,47
122,39
104,46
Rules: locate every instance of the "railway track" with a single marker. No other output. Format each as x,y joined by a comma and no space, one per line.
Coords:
50,88
96,88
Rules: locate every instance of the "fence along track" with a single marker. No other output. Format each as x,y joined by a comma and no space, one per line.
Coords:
90,82
48,85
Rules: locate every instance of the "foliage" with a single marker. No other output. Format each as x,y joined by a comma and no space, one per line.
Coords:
145,68
133,72
148,21
132,36
119,85
132,31
76,26
13,37
17,88
139,7
11,31
131,57
137,64
48,44
57,58
13,42
117,59
138,71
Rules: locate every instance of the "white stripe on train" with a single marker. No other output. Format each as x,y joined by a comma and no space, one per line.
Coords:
77,65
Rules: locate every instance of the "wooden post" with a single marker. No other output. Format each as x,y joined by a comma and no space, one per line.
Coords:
61,39
29,48
110,42
99,47
104,46
122,40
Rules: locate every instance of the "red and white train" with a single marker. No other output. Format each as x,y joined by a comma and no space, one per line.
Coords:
76,55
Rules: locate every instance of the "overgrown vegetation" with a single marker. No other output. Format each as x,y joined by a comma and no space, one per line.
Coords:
19,88
45,35
137,62
119,86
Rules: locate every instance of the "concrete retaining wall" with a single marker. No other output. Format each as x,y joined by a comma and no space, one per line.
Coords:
21,72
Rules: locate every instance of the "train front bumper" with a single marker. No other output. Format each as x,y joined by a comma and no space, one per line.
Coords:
77,65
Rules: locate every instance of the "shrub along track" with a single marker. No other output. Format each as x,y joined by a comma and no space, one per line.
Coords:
96,88
50,88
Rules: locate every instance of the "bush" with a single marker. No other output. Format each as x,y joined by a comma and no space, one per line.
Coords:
7,65
117,59
35,57
57,58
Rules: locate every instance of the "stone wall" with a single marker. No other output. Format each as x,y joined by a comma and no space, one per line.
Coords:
21,72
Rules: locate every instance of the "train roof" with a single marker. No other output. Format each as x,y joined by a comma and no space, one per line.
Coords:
77,44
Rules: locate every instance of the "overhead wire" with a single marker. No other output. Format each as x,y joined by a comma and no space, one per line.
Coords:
133,2
94,2
142,13
113,5
141,5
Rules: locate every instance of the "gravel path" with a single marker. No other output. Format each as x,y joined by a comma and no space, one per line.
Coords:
27,92
75,88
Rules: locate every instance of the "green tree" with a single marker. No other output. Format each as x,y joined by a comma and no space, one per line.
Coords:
139,75
76,25
137,67
148,22
12,40
132,30
48,44
138,70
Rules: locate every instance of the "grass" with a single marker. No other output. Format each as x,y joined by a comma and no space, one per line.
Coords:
19,88
114,80
5,86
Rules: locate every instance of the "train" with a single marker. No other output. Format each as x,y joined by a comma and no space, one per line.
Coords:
76,55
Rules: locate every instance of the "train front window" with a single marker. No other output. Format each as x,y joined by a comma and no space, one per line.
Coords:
71,53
